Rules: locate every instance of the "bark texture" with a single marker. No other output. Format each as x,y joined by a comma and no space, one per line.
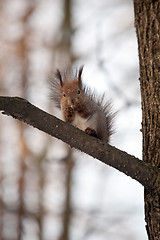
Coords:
147,22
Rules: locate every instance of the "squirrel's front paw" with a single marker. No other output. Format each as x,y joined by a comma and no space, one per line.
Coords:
91,132
69,114
68,111
82,110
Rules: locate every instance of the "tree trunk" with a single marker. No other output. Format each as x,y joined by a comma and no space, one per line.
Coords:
66,43
147,23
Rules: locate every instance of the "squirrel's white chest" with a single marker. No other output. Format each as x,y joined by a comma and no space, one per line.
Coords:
79,122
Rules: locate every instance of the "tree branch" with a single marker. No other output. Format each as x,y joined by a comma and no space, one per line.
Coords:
24,111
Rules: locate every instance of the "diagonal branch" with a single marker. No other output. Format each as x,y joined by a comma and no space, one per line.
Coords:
24,111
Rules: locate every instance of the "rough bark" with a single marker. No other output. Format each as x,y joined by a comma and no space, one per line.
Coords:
147,22
144,173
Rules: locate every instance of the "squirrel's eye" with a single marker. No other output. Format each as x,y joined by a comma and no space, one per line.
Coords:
78,91
64,95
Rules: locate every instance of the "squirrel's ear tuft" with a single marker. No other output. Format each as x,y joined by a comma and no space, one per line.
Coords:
59,76
79,76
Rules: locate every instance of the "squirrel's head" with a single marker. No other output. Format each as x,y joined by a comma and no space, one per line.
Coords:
71,90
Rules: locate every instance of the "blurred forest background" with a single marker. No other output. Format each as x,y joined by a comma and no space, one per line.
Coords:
47,191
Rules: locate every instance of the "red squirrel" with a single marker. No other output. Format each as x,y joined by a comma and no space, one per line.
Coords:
80,106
